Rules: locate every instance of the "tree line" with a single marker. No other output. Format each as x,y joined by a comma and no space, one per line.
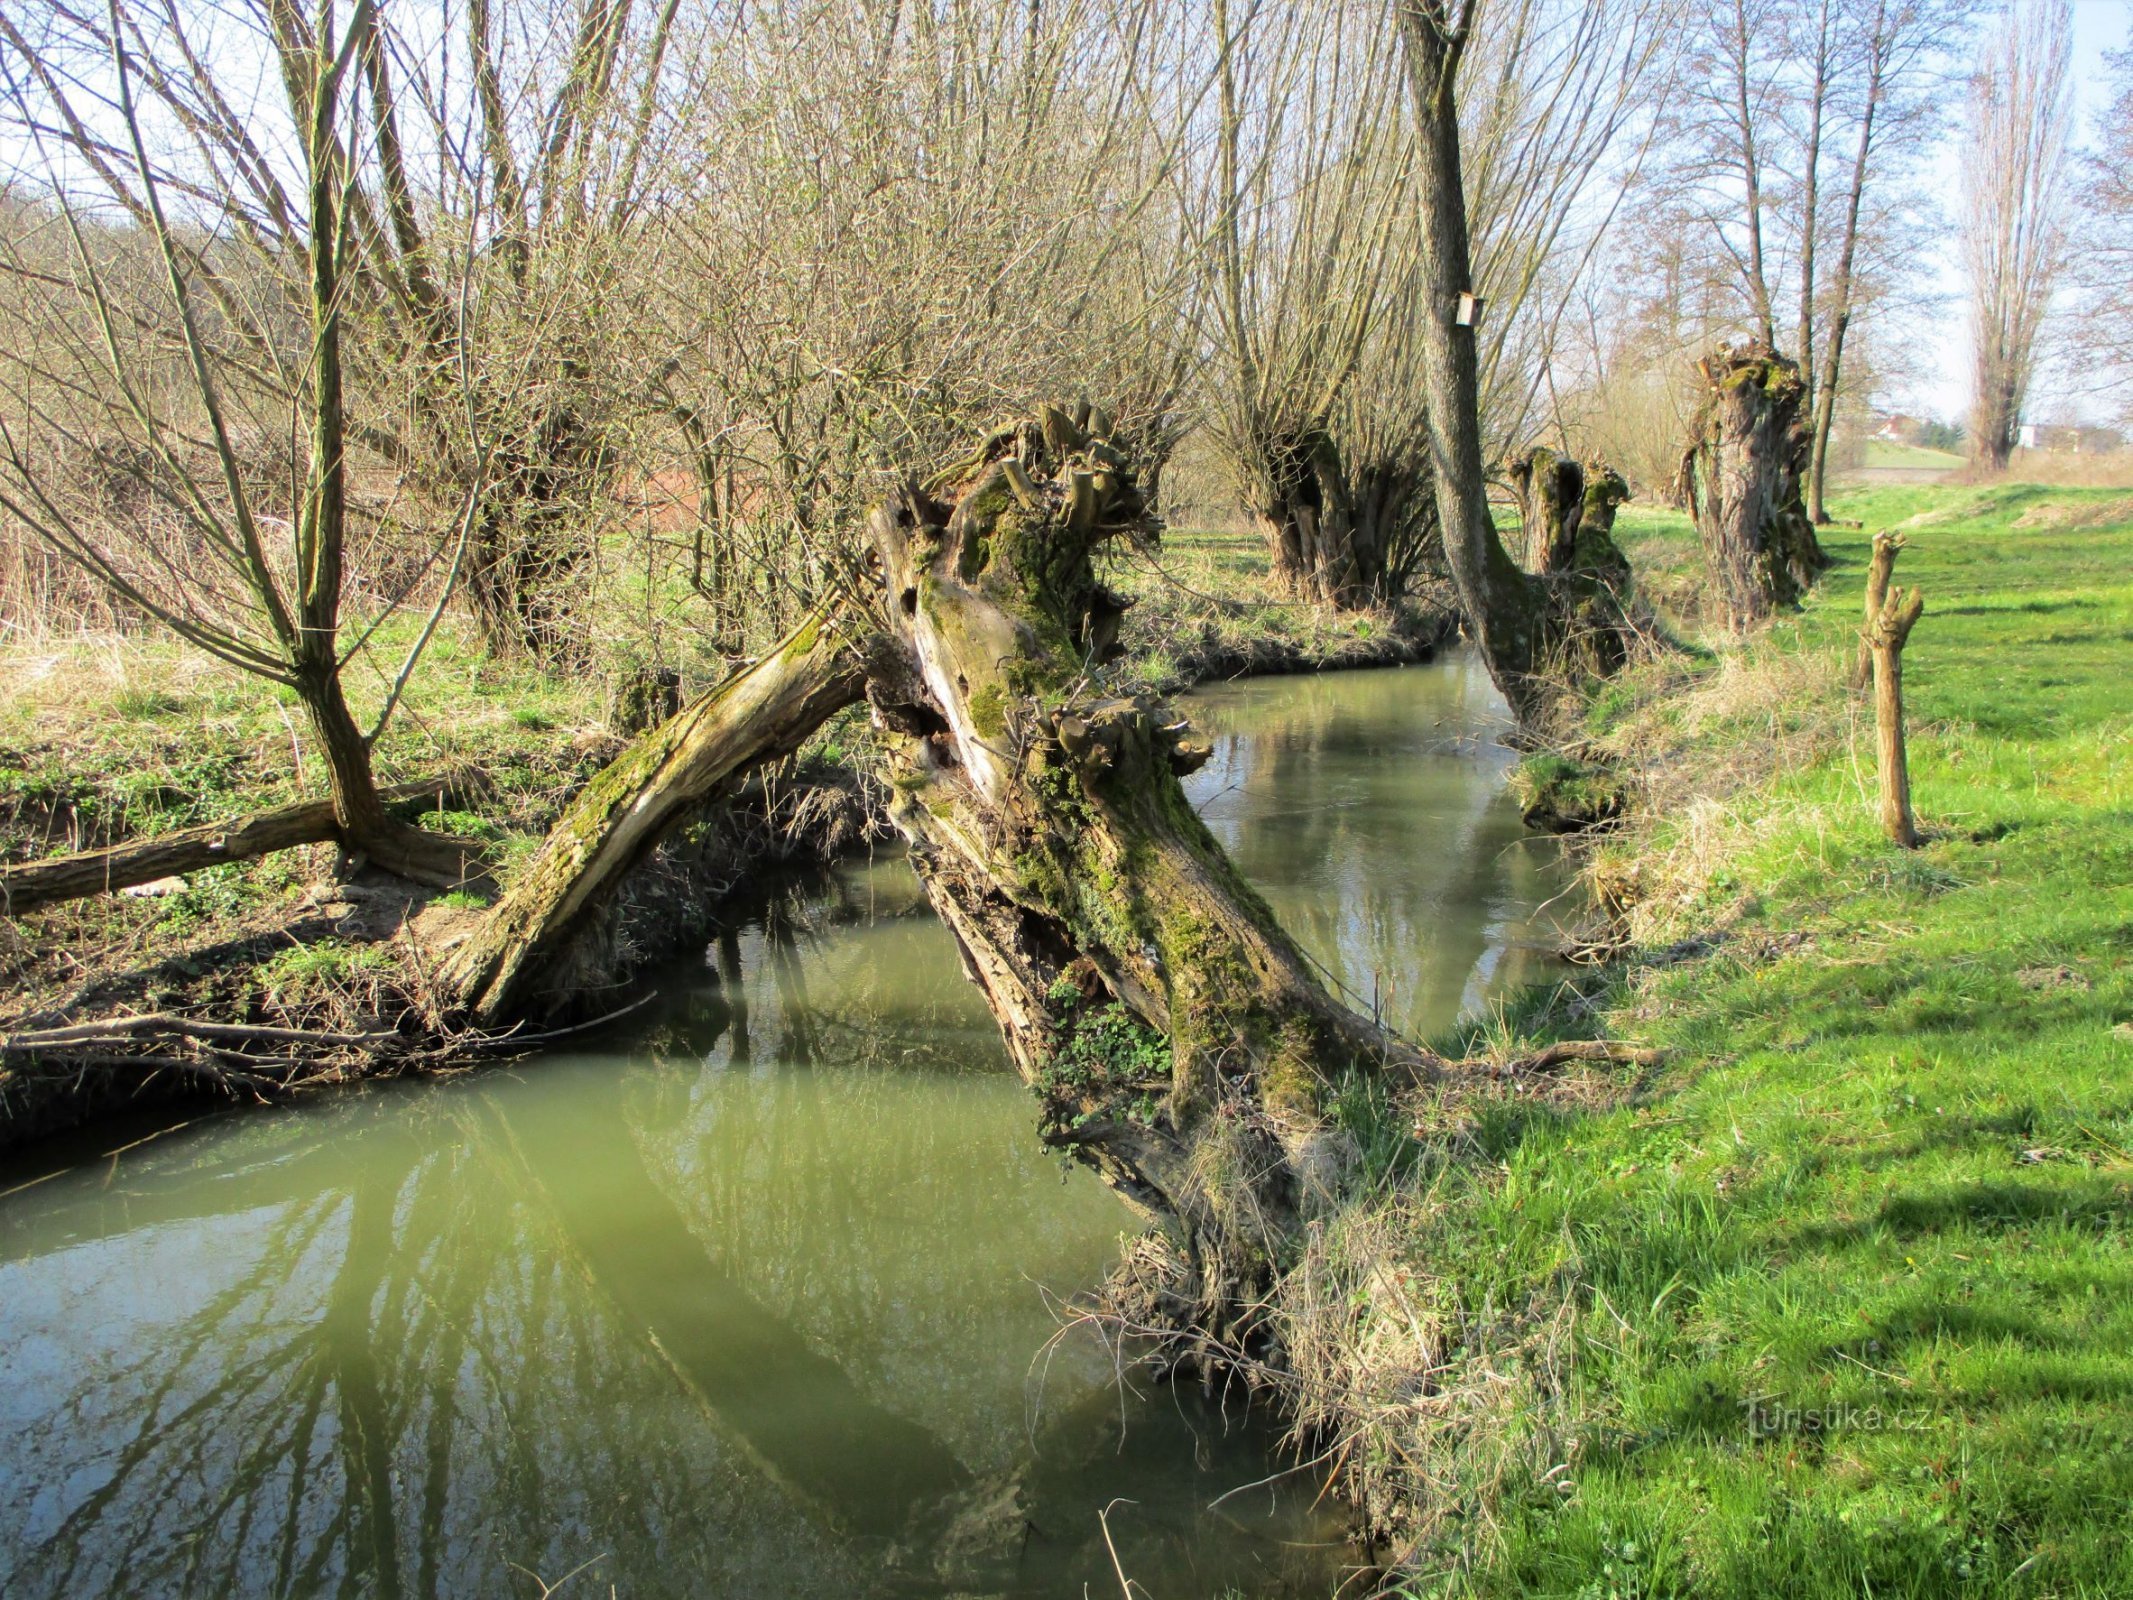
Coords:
324,325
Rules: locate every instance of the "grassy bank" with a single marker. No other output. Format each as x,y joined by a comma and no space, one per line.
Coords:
106,738
1840,1302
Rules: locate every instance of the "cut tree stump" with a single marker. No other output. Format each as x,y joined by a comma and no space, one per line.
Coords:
1886,635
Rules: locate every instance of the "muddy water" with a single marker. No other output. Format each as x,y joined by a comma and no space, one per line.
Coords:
753,1299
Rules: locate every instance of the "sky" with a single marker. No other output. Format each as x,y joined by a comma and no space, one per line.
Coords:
1942,387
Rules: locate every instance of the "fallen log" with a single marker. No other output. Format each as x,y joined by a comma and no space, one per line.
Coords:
26,885
761,713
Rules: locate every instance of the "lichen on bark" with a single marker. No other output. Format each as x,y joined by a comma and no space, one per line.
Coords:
1178,1039
1740,474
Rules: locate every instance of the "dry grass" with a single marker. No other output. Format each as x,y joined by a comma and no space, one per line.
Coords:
2062,469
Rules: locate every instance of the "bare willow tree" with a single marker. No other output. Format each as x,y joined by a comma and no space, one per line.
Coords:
493,204
1297,201
1535,176
1319,379
910,221
238,459
1782,203
2017,168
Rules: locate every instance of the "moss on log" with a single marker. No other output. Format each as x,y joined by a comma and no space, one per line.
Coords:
761,713
1178,1039
26,885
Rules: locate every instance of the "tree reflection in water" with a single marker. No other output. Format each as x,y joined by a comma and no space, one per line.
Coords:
1370,809
718,1319
745,1304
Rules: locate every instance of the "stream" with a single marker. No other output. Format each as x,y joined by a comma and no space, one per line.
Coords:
757,1294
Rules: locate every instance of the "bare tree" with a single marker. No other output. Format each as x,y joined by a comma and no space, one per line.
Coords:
1531,631
1778,89
2016,170
233,562
1301,210
910,222
2103,261
493,201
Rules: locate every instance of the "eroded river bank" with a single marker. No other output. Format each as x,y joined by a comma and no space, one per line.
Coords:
755,1296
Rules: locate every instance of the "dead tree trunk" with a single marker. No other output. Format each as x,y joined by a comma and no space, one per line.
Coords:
763,712
1551,502
1741,476
1567,512
1886,634
1178,1039
26,885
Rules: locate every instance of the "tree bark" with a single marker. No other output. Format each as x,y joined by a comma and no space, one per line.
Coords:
1879,570
1741,474
1887,632
1178,1039
761,713
1506,613
26,885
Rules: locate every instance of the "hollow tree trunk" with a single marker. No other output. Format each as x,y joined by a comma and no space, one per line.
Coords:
1741,473
1551,503
761,713
1178,1039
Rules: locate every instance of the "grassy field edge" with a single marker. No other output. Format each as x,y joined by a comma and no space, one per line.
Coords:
1837,1303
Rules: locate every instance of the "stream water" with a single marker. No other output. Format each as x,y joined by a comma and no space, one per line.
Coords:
755,1298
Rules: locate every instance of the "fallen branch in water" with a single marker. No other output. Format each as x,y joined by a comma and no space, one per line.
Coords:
118,1030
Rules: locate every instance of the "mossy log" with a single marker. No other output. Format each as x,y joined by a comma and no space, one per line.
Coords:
1178,1039
26,885
1740,474
761,713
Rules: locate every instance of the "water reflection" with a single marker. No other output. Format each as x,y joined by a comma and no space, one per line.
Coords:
746,1303
747,1307
1370,809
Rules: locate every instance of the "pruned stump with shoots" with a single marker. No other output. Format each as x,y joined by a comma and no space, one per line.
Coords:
1885,636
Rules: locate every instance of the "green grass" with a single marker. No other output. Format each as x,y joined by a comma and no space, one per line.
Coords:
1852,1282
